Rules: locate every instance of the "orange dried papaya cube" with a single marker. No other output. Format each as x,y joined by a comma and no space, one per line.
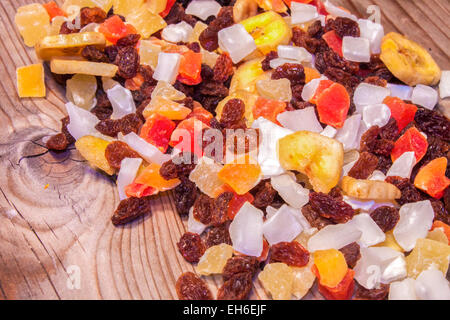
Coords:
268,108
331,267
411,140
241,175
343,291
150,177
311,74
167,108
30,81
431,178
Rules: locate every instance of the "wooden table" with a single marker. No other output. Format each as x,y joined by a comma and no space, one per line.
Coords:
50,237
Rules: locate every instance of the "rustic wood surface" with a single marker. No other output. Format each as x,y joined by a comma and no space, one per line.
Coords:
50,236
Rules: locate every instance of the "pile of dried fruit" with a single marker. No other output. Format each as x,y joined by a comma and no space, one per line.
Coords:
300,141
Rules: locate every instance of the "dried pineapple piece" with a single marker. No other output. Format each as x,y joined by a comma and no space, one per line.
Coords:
209,58
156,6
214,259
108,83
275,89
369,189
427,253
438,235
205,176
278,280
198,29
303,279
167,108
60,66
317,156
33,23
81,90
31,81
103,4
68,44
145,21
390,242
56,25
148,53
93,150
166,90
125,7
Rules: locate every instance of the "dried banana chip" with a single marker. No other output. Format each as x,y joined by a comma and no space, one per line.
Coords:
60,66
370,189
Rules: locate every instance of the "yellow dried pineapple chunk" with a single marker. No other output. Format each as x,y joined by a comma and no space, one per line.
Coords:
156,6
438,235
31,81
198,29
427,253
93,150
81,90
275,89
209,58
317,156
145,21
125,7
61,66
277,279
205,176
103,4
214,259
303,279
369,189
167,91
390,242
148,52
68,44
33,23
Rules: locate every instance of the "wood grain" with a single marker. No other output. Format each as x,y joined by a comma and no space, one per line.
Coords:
49,234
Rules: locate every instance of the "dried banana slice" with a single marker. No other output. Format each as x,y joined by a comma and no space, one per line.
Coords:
93,150
59,66
67,44
369,189
244,9
409,61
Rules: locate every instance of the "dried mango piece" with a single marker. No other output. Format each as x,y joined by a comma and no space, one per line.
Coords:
278,280
369,189
331,266
205,176
311,74
148,53
93,150
317,156
242,175
125,7
303,280
150,177
81,90
83,67
31,81
33,23
103,4
166,108
145,21
214,259
68,44
427,253
390,242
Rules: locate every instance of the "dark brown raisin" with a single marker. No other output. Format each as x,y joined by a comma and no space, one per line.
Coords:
330,59
364,167
302,39
315,30
129,123
290,253
185,195
64,122
93,53
130,209
213,89
331,208
218,235
203,209
314,218
269,57
191,287
379,293
390,130
349,81
208,38
127,60
223,68
373,143
116,151
232,113
384,163
191,247
433,123
446,199
180,166
440,212
294,72
343,27
111,52
91,15
351,254
221,208
237,287
409,192
58,142
263,194
194,46
376,81
240,264
130,40
385,217
68,28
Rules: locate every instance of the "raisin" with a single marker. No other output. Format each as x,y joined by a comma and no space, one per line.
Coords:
93,53
343,27
64,122
379,293
364,167
240,264
111,52
91,15
294,72
385,217
203,209
233,112
314,218
221,208
409,192
433,123
178,167
290,253
440,211
351,254
127,60
315,30
349,81
237,287
58,142
263,194
218,235
175,14
191,287
330,59
116,151
191,247
384,163
130,209
129,123
372,142
376,81
302,39
185,195
336,193
390,130
208,38
213,89
298,105
130,40
66,29
269,57
223,68
331,208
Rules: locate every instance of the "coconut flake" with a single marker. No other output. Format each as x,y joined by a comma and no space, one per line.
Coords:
246,230
371,232
298,54
425,96
310,88
128,170
282,226
379,265
275,63
298,120
270,211
167,67
121,100
402,290
356,49
329,132
346,135
376,115
334,237
432,285
415,220
291,192
236,41
369,94
444,85
374,32
338,12
377,175
403,165
149,152
179,32
301,13
400,91
82,122
193,224
203,9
